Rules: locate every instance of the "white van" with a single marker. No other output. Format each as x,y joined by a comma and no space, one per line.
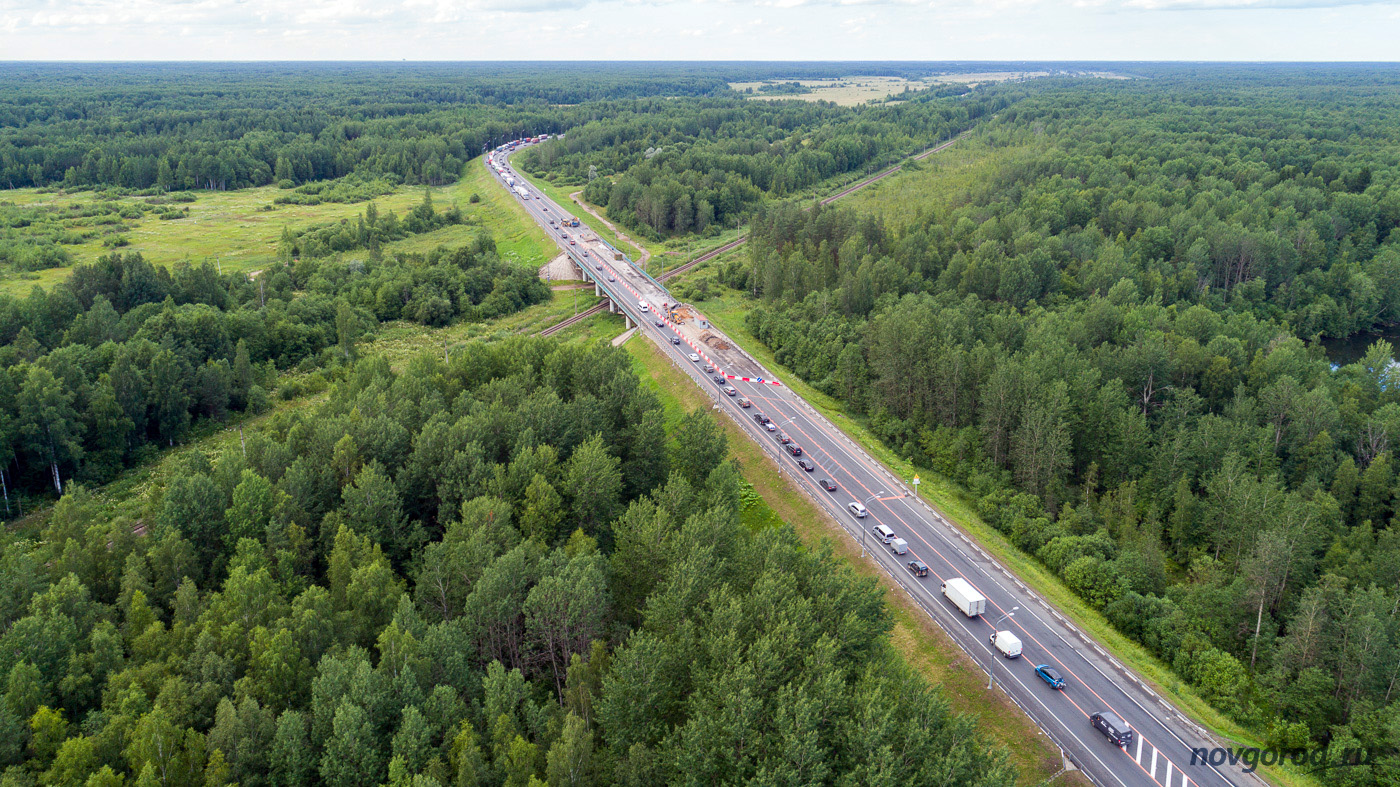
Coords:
883,533
1006,642
642,305
858,510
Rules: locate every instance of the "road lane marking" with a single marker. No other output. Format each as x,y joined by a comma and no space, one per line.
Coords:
1153,771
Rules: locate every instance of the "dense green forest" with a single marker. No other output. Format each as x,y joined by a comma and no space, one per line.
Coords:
497,572
222,126
1108,339
125,356
672,168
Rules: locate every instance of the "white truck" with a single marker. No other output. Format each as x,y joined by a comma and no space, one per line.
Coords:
899,546
1006,642
960,592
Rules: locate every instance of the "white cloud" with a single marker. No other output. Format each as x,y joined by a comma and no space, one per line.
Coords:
699,29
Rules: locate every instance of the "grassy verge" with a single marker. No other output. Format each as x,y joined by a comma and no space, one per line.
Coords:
917,639
727,313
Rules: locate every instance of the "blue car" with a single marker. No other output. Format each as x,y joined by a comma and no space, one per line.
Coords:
1050,675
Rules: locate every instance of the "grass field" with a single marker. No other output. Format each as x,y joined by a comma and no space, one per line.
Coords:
234,229
925,646
852,90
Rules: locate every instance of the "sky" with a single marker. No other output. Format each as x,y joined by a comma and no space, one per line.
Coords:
1290,30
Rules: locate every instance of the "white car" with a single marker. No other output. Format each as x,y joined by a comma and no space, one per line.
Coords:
770,426
695,357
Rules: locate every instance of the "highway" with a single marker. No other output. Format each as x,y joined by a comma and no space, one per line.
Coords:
1160,753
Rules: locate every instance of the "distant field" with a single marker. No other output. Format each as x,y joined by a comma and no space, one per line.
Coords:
853,90
234,229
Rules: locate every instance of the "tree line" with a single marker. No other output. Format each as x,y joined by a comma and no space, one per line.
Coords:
494,571
1108,342
124,356
671,168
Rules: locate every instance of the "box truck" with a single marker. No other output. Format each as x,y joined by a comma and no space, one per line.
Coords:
899,546
960,592
1007,643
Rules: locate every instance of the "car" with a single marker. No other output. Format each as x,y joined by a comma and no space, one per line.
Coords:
806,464
770,426
709,369
759,418
744,402
794,449
730,390
763,419
658,323
611,277
718,378
675,340
551,222
600,267
537,196
857,510
585,252
695,358
1113,728
918,568
783,438
1050,675
571,242
828,484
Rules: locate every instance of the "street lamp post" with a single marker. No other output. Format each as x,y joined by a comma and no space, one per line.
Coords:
863,529
991,668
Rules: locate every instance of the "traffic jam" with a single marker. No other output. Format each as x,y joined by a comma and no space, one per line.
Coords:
955,590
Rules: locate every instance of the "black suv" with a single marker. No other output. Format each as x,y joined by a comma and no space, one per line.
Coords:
759,418
794,449
719,379
806,464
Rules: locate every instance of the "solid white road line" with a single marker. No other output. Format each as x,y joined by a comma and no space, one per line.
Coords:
1153,770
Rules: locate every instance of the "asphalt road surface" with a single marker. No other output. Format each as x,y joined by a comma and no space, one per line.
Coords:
1160,753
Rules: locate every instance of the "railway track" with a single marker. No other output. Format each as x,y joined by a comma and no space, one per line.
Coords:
562,324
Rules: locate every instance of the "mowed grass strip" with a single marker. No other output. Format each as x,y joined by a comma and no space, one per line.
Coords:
916,637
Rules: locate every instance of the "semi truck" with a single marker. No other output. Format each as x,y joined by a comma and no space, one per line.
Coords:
1006,642
960,592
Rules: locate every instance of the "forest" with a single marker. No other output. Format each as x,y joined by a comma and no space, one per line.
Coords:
125,357
1109,340
224,126
668,168
490,572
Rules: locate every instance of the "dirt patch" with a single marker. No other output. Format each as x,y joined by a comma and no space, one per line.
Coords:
560,268
714,341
